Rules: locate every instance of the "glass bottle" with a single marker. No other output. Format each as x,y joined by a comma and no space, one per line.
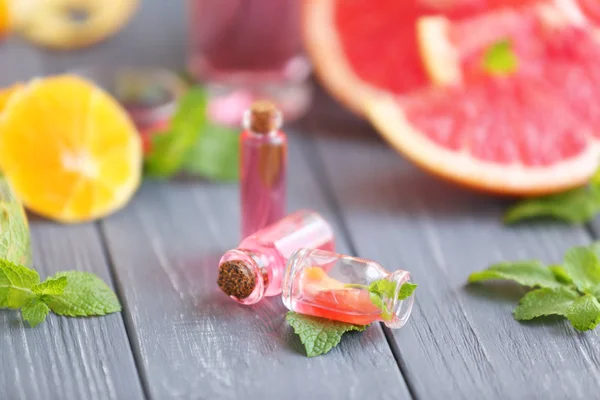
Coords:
244,50
263,167
255,268
348,289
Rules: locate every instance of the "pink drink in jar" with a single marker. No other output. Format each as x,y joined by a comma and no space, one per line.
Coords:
245,50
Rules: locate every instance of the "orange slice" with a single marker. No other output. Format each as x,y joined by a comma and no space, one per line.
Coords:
6,94
69,150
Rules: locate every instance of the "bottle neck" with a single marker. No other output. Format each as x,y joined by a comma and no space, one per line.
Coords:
400,309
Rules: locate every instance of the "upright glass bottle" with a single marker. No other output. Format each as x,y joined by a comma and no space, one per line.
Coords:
255,268
348,289
263,167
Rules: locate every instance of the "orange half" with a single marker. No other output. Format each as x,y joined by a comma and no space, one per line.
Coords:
69,150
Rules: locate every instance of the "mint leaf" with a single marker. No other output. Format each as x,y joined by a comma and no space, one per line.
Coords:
382,287
84,295
583,266
527,273
16,282
406,290
560,274
545,301
51,286
319,335
500,59
584,313
215,155
169,149
575,206
34,312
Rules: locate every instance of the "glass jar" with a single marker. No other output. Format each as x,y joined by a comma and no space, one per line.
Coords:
248,50
255,268
349,289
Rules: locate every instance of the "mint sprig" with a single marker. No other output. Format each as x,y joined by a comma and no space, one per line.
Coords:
319,335
500,59
575,206
193,144
570,290
170,148
382,289
69,293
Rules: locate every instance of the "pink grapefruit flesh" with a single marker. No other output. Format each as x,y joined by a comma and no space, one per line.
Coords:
532,132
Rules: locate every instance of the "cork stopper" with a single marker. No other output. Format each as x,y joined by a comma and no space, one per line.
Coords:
236,279
264,117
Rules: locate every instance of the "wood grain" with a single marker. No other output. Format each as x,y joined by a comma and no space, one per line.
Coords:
192,340
461,342
66,358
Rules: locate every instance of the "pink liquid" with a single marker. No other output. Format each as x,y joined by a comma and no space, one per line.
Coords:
245,50
229,38
262,179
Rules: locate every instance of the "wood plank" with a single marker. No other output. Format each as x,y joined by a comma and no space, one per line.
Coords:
67,358
461,342
195,342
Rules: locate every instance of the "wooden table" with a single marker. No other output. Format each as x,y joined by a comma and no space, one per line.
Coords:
178,337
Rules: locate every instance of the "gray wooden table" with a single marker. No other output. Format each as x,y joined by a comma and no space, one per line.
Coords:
180,338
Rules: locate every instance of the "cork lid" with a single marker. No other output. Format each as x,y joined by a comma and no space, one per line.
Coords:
263,117
236,279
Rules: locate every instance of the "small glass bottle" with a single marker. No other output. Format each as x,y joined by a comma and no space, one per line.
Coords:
348,289
263,164
255,268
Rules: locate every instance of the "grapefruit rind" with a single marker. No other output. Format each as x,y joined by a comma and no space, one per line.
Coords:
440,58
506,179
322,44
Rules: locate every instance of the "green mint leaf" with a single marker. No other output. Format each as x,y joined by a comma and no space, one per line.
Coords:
545,301
215,155
595,247
376,300
500,59
34,312
54,286
406,290
319,335
84,295
170,148
575,206
583,266
15,243
382,287
584,313
561,275
16,282
527,273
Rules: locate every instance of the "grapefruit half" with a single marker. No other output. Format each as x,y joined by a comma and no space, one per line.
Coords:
534,131
363,49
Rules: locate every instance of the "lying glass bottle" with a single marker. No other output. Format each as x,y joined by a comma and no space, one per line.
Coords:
348,289
255,268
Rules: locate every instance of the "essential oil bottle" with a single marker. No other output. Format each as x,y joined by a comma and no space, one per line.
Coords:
263,164
255,268
348,289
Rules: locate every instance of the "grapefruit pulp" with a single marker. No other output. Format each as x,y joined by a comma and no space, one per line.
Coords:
534,131
362,49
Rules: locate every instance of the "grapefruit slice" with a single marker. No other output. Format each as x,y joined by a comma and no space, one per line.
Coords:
532,132
363,49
